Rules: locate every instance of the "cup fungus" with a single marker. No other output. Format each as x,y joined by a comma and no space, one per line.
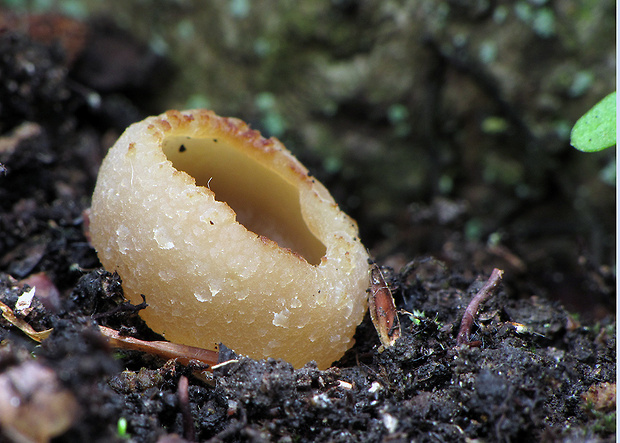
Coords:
230,240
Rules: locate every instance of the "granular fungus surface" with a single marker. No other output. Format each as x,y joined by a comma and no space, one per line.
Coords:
230,239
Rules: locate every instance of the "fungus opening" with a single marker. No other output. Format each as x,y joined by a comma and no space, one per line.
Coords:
264,201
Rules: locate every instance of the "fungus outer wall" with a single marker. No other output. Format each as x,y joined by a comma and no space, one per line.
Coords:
288,280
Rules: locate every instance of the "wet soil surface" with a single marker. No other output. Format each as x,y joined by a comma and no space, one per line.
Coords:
531,371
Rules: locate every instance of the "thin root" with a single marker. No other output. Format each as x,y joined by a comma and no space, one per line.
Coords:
188,420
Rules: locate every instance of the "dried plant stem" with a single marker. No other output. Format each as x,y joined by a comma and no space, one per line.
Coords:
470,313
183,354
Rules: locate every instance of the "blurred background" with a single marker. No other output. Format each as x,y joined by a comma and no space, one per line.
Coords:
442,127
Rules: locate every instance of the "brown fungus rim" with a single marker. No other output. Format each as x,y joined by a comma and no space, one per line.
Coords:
257,177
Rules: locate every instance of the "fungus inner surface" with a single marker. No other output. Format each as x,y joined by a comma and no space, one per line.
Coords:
264,201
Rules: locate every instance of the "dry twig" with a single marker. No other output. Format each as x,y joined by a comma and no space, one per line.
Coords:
470,313
182,353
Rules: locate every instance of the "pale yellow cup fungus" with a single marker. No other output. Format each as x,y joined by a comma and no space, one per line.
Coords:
230,239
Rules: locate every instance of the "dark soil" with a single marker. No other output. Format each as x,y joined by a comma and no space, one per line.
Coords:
532,371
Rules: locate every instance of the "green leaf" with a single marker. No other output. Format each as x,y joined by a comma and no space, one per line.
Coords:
596,129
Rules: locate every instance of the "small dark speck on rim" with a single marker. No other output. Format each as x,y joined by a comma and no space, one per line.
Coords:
182,148
215,140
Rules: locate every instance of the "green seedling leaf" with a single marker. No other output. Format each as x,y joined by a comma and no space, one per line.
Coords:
596,129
